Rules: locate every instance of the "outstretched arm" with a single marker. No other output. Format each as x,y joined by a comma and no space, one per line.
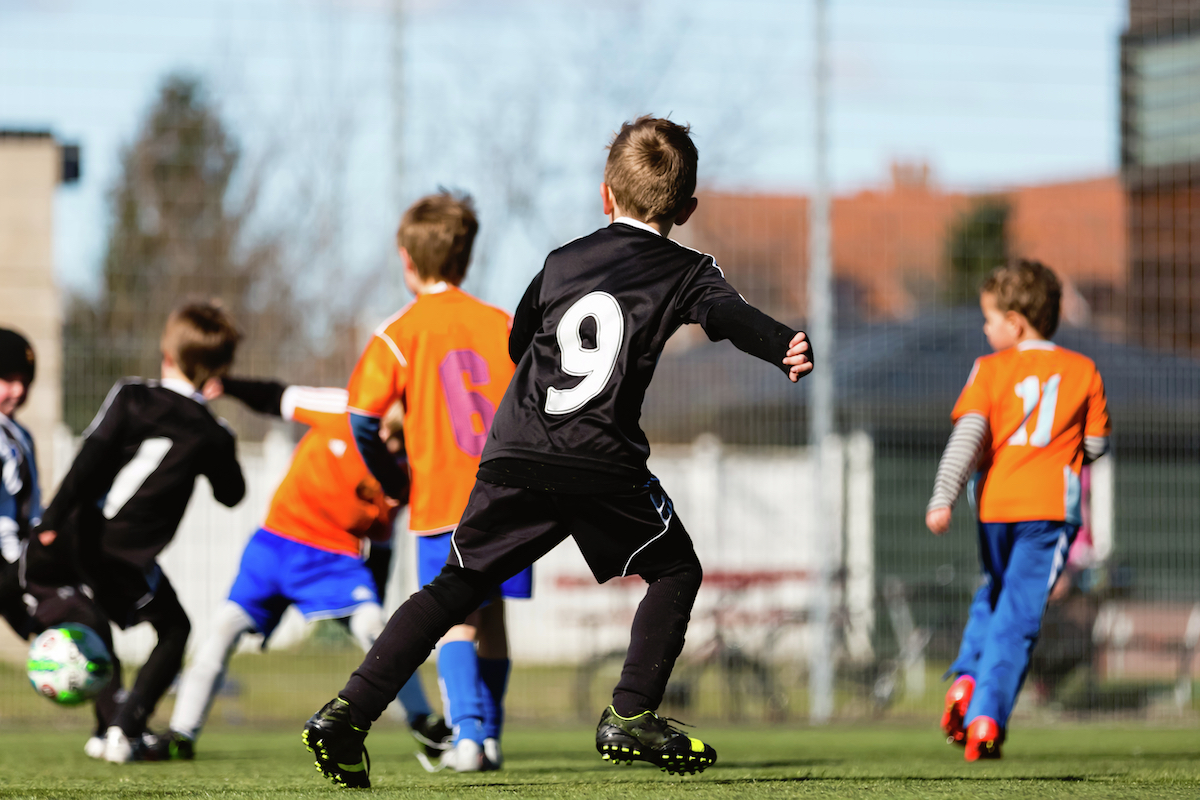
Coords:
265,397
299,403
958,461
709,300
753,332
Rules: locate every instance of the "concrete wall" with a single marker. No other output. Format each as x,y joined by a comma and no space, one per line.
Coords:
29,298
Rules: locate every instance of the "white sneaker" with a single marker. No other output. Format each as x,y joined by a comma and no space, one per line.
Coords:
465,756
94,748
117,747
492,757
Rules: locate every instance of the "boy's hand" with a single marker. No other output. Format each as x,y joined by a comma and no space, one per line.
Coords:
797,357
47,537
938,521
212,389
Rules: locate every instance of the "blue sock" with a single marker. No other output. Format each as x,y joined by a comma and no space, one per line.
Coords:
493,679
458,670
412,697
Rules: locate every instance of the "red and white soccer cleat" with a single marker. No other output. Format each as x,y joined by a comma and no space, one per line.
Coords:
983,739
957,700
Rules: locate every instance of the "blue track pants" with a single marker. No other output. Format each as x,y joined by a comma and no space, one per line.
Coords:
1021,562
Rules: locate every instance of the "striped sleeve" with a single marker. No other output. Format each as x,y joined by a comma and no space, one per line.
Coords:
1094,447
958,461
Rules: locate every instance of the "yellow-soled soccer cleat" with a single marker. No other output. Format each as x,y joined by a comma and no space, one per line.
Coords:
338,746
984,738
651,738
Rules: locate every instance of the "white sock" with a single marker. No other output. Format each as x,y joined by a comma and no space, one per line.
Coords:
206,673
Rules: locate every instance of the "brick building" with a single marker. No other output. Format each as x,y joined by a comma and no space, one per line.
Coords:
1160,159
889,244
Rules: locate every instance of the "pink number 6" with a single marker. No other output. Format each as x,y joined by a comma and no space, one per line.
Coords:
463,403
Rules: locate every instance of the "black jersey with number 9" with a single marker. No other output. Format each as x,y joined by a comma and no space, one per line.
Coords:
587,336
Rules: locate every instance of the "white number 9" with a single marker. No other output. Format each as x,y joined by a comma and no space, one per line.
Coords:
595,364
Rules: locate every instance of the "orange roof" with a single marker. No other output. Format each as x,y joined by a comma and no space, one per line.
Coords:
888,245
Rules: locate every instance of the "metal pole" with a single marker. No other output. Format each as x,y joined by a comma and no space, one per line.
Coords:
402,543
398,104
820,422
399,118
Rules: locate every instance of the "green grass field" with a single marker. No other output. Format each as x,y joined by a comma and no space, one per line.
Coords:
839,761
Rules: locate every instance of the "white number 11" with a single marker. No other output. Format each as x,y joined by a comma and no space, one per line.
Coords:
1045,399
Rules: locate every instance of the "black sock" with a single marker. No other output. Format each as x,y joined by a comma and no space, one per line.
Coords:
655,641
408,639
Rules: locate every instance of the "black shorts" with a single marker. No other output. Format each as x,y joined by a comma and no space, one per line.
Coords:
130,595
505,529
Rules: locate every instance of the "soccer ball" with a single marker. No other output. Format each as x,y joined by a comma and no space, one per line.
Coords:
69,664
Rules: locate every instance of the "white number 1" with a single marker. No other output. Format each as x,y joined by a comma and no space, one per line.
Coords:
594,364
149,455
1045,399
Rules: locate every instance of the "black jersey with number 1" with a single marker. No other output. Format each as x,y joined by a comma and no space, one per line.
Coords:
586,338
138,466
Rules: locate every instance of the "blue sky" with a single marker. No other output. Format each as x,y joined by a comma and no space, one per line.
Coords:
514,101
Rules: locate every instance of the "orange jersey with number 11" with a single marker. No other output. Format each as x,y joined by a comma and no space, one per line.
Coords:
1040,401
445,357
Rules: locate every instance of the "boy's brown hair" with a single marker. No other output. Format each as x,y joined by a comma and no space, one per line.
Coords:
1029,288
438,232
201,338
651,168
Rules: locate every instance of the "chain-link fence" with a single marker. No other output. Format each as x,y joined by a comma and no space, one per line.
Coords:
269,171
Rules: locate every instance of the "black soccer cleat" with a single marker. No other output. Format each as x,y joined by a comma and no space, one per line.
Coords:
338,745
181,747
651,738
433,733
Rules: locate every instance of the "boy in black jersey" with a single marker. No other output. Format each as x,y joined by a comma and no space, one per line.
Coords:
126,491
566,457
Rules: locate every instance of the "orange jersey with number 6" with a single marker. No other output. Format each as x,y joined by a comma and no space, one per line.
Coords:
1040,401
445,357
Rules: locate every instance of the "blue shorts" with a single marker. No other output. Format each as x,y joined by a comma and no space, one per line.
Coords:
276,572
434,551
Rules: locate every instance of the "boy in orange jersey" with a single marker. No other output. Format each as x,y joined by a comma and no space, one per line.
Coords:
1031,415
445,357
307,553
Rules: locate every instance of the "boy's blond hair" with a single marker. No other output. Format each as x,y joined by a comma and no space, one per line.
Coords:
438,232
651,168
1029,288
201,338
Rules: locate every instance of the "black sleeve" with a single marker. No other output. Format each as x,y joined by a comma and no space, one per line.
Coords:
265,397
751,331
527,320
711,302
223,471
96,464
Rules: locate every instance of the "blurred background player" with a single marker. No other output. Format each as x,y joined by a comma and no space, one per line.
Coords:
566,455
308,553
20,495
128,487
445,358
1031,415
36,590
